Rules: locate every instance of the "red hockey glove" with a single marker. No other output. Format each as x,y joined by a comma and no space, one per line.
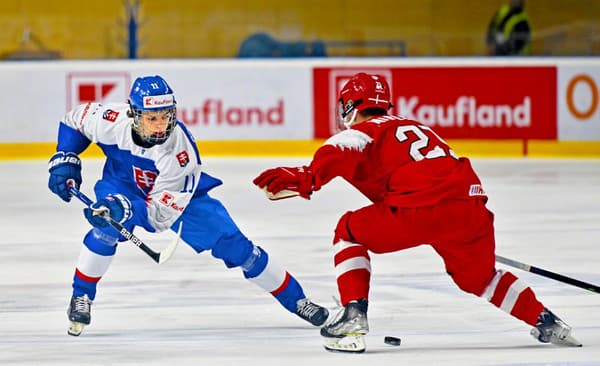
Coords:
285,182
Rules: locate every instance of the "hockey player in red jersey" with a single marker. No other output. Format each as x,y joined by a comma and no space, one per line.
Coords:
421,192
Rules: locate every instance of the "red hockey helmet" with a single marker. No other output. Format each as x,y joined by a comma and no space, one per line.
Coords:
361,92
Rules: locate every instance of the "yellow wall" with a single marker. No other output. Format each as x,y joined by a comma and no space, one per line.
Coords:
194,28
305,148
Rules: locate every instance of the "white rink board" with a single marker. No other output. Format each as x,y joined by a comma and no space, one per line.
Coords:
222,100
193,311
251,99
579,102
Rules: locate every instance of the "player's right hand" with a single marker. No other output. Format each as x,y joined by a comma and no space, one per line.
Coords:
117,206
65,169
293,179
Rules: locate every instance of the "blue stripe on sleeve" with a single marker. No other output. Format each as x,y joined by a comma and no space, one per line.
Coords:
71,140
192,141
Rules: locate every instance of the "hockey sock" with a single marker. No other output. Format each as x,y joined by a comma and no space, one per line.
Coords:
353,270
513,296
289,293
94,259
264,272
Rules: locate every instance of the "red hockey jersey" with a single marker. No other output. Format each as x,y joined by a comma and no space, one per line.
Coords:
397,161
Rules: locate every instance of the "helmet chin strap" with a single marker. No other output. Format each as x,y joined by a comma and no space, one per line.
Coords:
348,122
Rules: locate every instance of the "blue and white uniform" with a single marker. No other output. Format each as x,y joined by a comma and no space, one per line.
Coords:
167,188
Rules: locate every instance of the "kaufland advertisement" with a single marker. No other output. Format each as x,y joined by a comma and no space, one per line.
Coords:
223,100
553,101
458,102
275,100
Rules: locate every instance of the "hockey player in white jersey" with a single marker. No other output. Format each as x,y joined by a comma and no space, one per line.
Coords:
153,179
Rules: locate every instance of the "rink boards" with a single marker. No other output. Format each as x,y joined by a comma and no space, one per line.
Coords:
534,107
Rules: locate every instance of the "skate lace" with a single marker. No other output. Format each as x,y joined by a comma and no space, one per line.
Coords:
81,304
308,309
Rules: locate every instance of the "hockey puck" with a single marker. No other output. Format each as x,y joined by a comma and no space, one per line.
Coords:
392,341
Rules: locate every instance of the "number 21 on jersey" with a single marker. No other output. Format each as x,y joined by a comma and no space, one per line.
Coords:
423,142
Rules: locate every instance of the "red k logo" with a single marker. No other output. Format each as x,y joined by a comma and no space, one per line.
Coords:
144,179
96,86
166,199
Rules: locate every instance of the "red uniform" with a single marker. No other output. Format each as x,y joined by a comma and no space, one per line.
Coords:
422,194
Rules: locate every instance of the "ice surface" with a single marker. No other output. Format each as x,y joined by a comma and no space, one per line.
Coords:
193,311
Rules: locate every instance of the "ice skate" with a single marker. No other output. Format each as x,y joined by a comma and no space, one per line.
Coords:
311,312
345,333
79,313
551,329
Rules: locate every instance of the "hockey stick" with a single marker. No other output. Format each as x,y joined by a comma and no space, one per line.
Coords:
159,257
549,274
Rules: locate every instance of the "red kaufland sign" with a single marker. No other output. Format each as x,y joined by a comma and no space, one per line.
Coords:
458,102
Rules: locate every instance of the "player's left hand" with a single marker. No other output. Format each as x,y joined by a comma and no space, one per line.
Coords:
296,179
117,206
65,169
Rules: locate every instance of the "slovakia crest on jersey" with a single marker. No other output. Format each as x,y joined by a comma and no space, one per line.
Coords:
183,158
144,179
110,115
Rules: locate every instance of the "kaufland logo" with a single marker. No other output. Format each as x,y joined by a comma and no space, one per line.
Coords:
101,87
218,112
158,101
466,111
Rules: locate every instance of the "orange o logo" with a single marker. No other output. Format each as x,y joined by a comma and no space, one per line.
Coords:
571,90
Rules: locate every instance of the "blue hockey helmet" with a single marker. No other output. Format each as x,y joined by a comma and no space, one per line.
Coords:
152,104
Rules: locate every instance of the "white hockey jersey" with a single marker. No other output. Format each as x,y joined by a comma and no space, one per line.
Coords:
160,180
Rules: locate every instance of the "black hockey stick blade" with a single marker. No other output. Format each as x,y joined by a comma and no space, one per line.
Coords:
549,274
